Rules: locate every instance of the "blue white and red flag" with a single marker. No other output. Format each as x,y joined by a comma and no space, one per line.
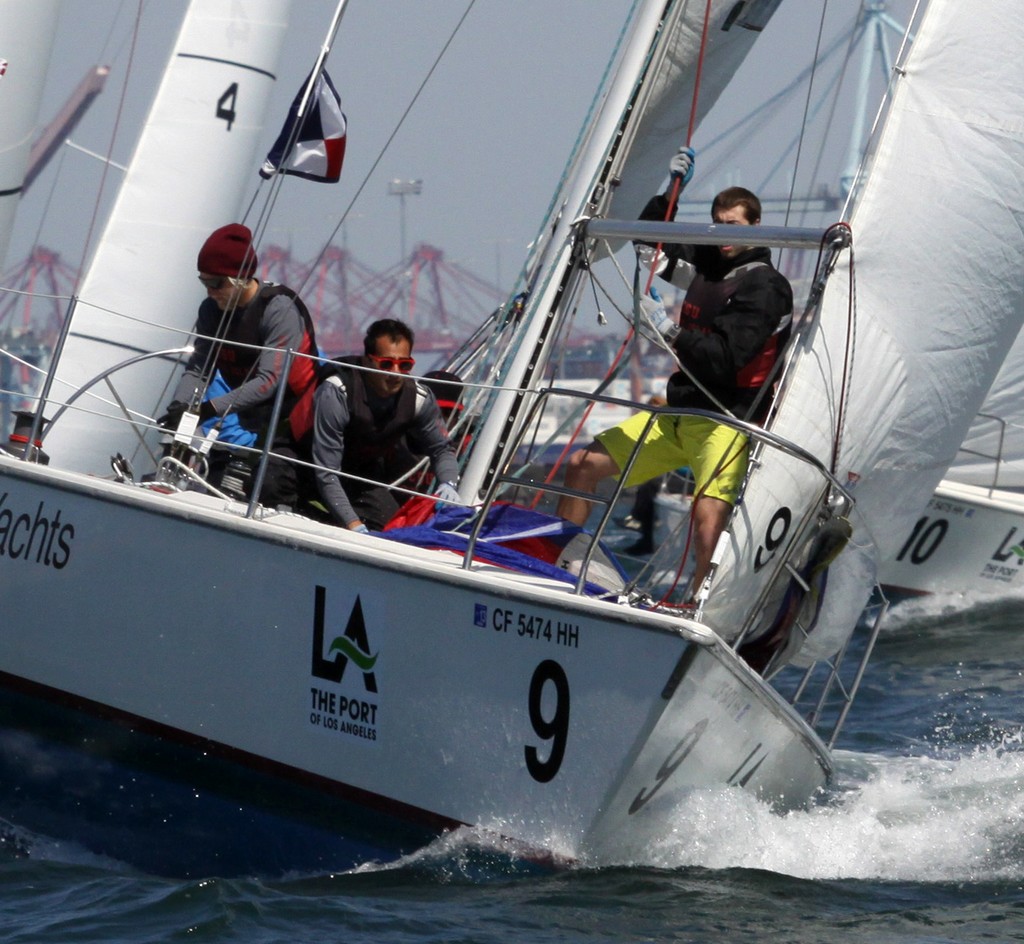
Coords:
319,146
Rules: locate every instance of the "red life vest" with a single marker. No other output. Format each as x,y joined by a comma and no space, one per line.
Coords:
236,362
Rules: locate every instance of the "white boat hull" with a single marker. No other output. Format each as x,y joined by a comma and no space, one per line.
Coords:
967,540
566,723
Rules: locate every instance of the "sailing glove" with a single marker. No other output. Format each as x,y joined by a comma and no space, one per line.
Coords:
448,493
653,309
681,165
172,417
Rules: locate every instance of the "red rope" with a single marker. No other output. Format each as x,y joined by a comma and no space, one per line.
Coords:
677,181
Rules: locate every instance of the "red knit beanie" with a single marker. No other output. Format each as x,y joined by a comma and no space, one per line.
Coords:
228,251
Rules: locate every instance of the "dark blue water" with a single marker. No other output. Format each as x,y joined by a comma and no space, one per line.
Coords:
920,839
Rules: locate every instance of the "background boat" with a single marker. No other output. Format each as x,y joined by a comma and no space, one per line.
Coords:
27,43
969,540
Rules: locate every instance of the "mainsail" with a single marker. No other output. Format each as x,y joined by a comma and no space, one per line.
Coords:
677,79
191,171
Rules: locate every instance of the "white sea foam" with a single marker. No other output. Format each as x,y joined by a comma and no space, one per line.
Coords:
916,819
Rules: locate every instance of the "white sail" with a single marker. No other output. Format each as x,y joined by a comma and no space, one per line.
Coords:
939,298
26,41
667,97
194,166
998,430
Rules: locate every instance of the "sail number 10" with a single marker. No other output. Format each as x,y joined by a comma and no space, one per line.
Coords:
924,540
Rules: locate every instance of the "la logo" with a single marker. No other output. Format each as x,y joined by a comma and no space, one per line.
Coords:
353,645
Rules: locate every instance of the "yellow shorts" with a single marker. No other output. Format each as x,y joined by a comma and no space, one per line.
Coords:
715,454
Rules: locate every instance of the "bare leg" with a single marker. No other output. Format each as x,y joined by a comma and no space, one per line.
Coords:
710,516
586,469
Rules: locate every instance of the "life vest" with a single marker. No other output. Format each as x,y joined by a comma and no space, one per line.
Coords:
374,446
705,300
236,361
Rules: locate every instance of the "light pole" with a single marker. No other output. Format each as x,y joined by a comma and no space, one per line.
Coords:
400,189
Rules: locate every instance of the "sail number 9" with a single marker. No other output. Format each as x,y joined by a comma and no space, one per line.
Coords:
551,724
777,530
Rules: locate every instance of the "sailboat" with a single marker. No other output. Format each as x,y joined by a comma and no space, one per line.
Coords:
27,43
969,539
238,689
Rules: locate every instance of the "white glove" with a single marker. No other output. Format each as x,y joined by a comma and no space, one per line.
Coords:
681,165
360,529
654,311
448,493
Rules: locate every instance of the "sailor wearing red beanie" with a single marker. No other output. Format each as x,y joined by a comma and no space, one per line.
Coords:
244,329
228,251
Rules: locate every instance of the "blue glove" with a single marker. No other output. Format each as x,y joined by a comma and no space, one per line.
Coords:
447,492
681,165
360,529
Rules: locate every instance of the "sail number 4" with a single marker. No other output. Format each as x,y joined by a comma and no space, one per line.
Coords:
226,104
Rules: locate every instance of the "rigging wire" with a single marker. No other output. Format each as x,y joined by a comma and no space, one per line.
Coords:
383,150
110,147
848,353
806,112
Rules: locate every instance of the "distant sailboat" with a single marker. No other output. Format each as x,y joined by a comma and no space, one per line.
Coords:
970,537
26,42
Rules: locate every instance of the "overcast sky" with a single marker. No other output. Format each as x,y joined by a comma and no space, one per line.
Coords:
488,137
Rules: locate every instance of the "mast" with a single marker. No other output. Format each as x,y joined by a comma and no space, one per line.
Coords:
641,119
495,436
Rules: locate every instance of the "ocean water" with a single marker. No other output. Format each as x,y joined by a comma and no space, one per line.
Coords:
919,839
